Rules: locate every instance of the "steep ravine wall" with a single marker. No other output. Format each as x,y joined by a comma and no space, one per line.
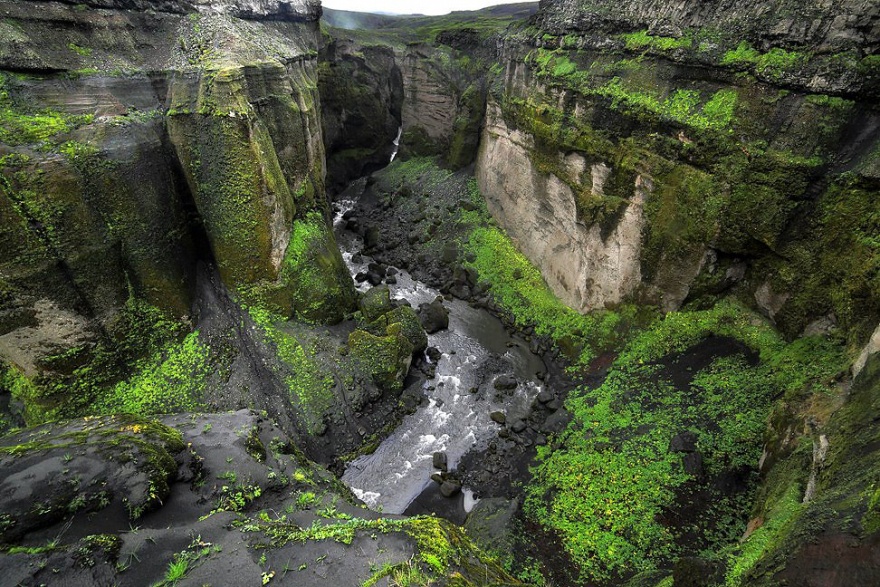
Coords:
635,172
139,139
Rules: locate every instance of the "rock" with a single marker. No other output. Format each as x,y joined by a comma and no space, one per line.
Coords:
546,396
518,426
450,487
505,383
391,280
491,524
433,353
374,278
462,292
437,478
498,417
124,463
683,442
440,461
376,302
554,405
692,463
371,238
386,359
434,316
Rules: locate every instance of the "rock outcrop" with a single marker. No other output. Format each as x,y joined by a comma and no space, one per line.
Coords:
634,156
142,138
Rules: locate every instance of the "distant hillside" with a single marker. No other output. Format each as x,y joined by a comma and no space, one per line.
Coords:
345,19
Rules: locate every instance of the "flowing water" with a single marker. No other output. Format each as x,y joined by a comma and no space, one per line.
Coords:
475,348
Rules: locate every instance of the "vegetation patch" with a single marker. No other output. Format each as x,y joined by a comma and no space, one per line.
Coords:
171,381
22,126
606,483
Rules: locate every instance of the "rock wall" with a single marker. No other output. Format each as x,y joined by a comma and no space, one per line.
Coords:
139,139
586,268
824,26
744,186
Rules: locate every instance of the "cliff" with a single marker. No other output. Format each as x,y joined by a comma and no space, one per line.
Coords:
661,133
141,139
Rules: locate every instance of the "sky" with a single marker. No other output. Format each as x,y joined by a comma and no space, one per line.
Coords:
412,6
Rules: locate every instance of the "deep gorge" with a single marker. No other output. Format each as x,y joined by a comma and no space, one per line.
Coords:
653,234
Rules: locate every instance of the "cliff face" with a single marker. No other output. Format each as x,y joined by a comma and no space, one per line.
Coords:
142,138
815,24
643,153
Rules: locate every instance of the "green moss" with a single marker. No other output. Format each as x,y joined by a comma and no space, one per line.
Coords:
20,125
319,282
641,40
173,380
605,482
311,386
517,285
385,358
743,55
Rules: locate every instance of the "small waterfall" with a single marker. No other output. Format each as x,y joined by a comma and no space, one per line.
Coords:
396,144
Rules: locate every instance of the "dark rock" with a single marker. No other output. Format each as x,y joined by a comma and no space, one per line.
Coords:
357,258
434,316
371,237
450,487
433,353
692,463
374,278
376,302
491,524
518,426
498,417
437,478
683,442
695,572
505,383
546,396
554,405
391,280
440,461
360,277
462,292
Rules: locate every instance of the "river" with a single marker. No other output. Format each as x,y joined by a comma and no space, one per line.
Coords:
454,419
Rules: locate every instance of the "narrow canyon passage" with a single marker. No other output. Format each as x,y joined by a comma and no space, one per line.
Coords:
454,417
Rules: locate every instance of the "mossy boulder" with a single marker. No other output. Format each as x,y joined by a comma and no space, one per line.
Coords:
120,463
375,302
314,273
410,326
386,359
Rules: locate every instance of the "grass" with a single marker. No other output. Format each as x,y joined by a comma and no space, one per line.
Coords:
605,482
20,125
172,380
517,285
686,106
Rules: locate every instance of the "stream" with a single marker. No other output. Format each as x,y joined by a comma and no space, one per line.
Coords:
455,418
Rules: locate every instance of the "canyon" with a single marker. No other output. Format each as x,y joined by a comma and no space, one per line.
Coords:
579,292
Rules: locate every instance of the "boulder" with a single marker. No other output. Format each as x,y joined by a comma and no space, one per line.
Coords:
498,417
440,461
450,487
505,383
683,442
434,316
376,302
